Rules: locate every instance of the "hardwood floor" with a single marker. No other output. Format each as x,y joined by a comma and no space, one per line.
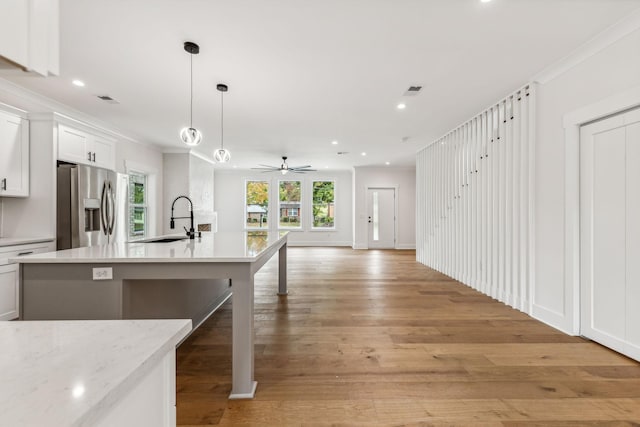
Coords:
373,338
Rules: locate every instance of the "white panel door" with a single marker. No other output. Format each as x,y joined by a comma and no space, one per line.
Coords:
381,207
610,232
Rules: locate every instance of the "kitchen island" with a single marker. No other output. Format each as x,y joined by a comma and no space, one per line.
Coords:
97,282
89,373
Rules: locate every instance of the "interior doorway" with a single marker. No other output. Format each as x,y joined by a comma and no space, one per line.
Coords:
610,232
381,213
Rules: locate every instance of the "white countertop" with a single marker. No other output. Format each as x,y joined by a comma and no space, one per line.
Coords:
70,373
242,246
12,241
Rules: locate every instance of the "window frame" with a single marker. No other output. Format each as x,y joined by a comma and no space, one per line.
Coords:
131,206
300,227
246,213
312,226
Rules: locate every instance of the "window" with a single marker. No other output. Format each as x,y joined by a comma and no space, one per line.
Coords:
289,208
323,204
137,205
257,204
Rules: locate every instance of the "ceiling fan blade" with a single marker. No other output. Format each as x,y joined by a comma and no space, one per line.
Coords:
302,170
299,167
267,169
269,166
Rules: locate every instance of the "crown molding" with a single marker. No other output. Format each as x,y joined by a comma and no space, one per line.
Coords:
601,41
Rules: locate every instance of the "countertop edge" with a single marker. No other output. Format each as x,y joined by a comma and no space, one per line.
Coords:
111,398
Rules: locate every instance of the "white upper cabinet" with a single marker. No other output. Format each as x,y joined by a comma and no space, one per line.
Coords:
29,35
14,155
79,146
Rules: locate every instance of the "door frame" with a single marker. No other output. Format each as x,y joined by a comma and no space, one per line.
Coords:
569,320
395,210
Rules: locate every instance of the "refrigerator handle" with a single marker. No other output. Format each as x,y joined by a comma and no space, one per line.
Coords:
103,208
112,212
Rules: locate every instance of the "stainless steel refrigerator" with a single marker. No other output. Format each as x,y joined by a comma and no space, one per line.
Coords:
90,206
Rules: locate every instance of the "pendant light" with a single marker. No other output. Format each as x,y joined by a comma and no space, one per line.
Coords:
190,135
221,155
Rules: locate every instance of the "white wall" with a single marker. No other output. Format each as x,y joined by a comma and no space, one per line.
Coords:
229,193
613,70
405,181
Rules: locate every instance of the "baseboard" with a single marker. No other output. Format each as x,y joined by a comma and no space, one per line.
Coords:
324,243
360,246
554,319
406,246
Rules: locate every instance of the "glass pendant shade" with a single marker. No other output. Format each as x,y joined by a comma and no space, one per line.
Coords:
221,155
191,136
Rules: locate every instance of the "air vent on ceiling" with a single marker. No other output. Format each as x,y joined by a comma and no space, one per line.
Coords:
405,139
340,153
108,99
413,91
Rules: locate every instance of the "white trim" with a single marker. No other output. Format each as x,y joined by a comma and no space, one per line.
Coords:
405,246
359,246
569,321
301,207
319,243
601,41
13,110
335,197
244,208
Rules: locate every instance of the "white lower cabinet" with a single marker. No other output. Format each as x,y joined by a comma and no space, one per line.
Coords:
10,276
151,403
9,284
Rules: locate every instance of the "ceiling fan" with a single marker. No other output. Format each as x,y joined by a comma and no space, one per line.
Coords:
284,168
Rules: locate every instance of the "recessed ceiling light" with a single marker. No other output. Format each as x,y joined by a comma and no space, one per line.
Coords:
401,106
235,166
326,167
387,163
485,1
363,153
334,142
78,83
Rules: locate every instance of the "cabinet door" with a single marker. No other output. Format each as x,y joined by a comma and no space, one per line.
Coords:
73,145
103,150
9,308
14,165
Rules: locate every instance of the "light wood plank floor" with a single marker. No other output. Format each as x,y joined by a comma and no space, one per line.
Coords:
373,338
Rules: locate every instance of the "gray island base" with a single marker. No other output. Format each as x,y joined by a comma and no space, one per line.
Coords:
187,278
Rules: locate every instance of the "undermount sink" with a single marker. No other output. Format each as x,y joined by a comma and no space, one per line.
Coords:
164,239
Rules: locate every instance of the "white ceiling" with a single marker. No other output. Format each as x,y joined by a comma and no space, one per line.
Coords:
302,73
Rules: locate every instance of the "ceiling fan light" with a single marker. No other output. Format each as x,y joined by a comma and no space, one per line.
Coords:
190,136
284,171
221,155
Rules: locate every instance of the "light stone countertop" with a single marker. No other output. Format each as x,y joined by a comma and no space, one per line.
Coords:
13,241
70,373
241,246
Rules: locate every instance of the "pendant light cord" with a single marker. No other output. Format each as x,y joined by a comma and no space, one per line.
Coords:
191,96
222,120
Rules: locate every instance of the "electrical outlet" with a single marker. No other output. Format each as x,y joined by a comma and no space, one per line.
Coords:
103,273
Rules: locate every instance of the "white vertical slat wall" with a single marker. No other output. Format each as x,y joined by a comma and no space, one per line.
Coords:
474,199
